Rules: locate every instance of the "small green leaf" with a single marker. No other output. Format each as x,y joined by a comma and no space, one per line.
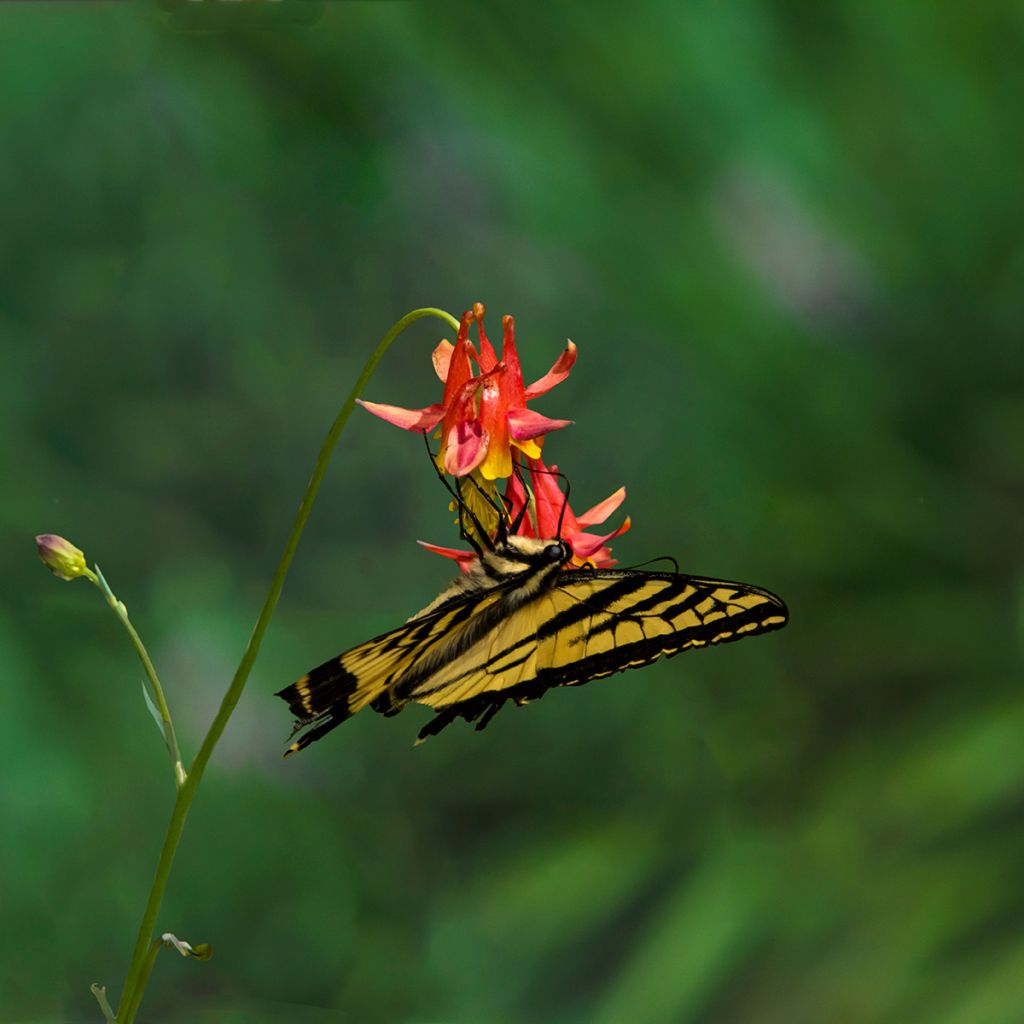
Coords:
156,714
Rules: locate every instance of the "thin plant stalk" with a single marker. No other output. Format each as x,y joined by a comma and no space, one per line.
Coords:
135,981
170,738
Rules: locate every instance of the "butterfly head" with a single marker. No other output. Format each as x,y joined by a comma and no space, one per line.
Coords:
535,552
528,564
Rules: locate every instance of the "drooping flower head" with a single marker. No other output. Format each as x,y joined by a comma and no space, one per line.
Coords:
483,415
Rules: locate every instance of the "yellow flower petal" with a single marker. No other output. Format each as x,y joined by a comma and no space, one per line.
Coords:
530,448
498,463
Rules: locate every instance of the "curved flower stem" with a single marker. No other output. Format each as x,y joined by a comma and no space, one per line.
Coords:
135,981
170,739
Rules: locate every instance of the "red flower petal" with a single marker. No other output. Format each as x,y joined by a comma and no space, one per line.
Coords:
556,374
488,358
585,544
600,512
494,417
459,369
464,558
407,419
515,499
514,392
550,507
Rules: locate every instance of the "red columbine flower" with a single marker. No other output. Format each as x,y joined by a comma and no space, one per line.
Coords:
483,415
548,513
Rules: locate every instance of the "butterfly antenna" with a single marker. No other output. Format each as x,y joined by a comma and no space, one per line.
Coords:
565,501
456,494
654,561
527,496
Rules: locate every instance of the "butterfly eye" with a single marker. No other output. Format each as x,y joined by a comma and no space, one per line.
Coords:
555,552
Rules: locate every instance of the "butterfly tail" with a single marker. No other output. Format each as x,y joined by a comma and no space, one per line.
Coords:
321,727
322,699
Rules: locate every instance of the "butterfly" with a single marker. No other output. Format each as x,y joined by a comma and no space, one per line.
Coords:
518,623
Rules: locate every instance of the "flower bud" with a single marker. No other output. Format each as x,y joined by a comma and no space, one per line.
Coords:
61,557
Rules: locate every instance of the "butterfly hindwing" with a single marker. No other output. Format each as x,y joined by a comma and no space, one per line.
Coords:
367,674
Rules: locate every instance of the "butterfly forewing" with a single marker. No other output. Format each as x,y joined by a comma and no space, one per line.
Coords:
594,623
337,689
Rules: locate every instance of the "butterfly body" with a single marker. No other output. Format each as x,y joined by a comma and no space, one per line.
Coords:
517,624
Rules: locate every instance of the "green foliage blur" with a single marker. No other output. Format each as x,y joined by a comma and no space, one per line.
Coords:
788,239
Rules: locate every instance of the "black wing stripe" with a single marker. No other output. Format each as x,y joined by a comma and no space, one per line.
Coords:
654,606
653,601
591,605
688,603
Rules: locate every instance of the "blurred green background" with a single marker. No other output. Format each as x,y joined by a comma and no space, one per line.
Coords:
788,239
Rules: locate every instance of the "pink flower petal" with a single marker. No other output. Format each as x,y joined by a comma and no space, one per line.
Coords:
600,512
466,448
524,424
464,558
556,374
407,419
442,357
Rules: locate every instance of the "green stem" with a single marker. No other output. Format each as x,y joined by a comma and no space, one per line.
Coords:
170,738
134,984
128,1011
